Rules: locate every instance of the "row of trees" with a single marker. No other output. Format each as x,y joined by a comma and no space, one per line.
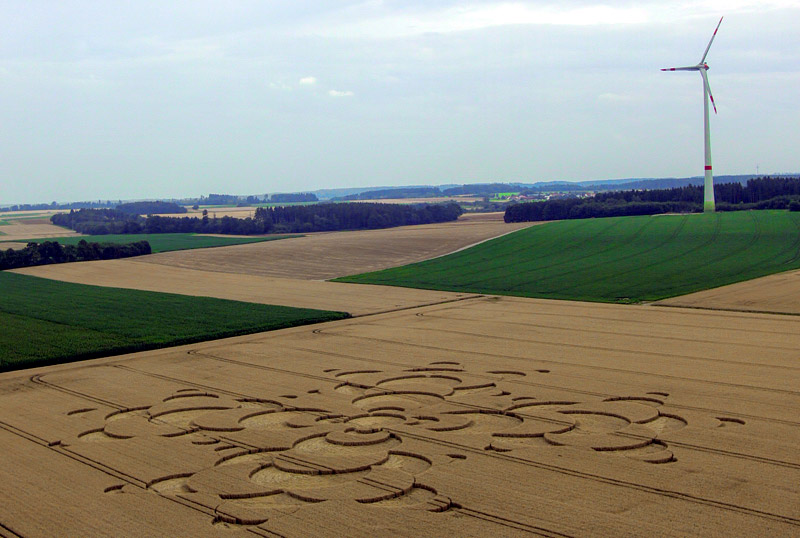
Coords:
49,252
759,193
286,219
354,216
585,208
279,198
754,191
292,197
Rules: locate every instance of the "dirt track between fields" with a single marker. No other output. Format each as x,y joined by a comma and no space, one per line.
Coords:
482,417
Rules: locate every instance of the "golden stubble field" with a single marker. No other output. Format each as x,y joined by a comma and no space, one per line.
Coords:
775,293
484,416
23,225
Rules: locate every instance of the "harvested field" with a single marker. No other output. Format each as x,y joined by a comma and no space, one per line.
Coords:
20,229
137,274
327,255
237,212
775,293
492,416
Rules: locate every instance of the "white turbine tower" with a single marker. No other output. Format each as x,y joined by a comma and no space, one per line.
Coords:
708,190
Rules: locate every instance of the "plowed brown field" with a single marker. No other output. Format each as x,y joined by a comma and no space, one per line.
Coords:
481,417
775,293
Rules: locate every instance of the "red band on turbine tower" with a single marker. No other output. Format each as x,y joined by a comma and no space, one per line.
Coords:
708,167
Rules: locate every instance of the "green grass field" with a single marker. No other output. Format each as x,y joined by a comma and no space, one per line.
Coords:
164,242
45,321
625,259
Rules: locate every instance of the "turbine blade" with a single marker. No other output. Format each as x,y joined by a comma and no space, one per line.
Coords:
711,41
708,89
688,68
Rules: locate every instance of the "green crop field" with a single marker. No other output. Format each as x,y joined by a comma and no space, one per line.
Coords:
45,321
624,259
164,242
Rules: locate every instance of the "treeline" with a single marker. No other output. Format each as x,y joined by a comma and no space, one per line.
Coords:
151,208
56,205
353,216
294,197
758,193
49,252
585,208
754,191
233,199
282,219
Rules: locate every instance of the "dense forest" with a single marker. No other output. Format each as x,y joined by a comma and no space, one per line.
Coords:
151,208
286,219
293,197
758,193
49,252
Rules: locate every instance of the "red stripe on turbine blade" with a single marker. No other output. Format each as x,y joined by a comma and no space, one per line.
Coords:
708,167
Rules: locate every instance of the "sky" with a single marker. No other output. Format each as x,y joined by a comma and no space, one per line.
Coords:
152,99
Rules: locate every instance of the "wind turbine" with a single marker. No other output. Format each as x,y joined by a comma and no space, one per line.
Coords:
708,189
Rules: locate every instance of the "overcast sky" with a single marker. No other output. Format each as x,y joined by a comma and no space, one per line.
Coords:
140,99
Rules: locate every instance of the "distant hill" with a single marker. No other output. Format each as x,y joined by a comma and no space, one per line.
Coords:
398,192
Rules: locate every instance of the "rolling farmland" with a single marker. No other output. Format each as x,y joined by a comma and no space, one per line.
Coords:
435,413
320,256
626,259
46,321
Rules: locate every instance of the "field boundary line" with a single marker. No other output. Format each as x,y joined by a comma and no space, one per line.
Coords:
37,379
725,309
412,307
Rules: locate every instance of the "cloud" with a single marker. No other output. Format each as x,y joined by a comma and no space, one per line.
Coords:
611,97
339,93
307,81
